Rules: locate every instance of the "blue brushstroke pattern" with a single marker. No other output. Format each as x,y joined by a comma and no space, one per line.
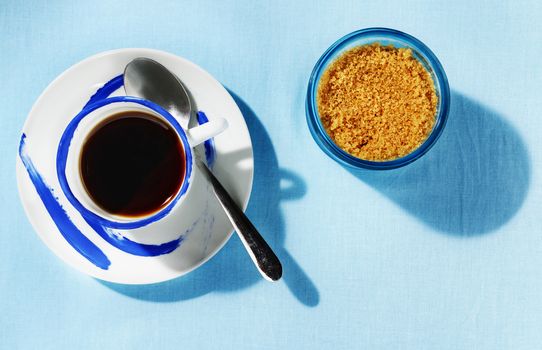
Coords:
209,145
63,222
106,90
118,241
72,233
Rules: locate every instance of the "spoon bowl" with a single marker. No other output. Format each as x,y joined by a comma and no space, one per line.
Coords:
147,78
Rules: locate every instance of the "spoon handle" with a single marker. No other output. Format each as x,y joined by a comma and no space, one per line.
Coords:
263,257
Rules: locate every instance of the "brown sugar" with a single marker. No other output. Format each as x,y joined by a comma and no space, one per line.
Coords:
377,102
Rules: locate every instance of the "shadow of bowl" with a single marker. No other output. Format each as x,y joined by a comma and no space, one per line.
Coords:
472,182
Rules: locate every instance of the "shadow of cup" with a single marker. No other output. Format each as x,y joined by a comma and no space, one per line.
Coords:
231,269
472,182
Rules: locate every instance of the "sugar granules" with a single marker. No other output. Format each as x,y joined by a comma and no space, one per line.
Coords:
377,102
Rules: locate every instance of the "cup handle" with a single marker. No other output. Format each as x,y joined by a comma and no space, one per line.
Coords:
206,131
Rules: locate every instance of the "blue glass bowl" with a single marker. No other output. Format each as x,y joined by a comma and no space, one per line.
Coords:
385,37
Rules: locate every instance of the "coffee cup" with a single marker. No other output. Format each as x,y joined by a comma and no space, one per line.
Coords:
107,191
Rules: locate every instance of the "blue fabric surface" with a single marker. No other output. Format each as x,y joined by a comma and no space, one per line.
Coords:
445,253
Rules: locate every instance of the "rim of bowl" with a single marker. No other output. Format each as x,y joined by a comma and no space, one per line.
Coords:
421,51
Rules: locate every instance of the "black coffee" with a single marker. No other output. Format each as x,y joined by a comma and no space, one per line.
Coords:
132,164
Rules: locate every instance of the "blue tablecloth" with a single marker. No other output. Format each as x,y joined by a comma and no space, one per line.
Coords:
445,253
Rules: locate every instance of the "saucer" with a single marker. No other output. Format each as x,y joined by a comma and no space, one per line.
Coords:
161,251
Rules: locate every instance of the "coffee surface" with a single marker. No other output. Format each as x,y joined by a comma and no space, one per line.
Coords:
132,164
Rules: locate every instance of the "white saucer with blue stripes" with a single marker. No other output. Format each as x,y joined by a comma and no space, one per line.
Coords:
189,236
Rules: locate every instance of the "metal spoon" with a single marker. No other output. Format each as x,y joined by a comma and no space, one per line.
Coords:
150,80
